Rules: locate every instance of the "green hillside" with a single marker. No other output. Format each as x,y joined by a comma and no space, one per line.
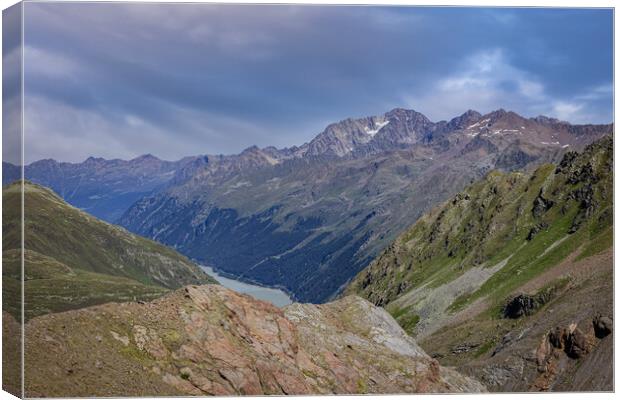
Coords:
73,260
541,240
530,221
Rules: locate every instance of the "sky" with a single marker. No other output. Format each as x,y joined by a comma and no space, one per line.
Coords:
120,80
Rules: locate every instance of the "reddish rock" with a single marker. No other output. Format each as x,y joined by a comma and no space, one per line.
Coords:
209,340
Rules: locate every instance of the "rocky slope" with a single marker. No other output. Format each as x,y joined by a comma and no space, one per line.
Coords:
72,259
208,340
511,280
308,218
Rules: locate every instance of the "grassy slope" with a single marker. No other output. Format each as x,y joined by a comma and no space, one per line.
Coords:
73,260
489,222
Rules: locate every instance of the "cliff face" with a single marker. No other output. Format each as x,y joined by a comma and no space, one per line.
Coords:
208,340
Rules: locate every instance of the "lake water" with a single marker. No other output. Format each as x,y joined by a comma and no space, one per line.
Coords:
276,297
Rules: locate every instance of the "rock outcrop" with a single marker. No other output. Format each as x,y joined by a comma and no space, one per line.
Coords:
208,340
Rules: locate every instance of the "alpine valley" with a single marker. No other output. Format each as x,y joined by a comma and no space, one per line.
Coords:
104,315
468,255
307,219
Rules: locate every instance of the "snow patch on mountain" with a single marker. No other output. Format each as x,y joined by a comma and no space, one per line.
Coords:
378,126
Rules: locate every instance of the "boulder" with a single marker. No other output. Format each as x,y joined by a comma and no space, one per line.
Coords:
520,306
536,229
541,205
557,337
602,326
576,344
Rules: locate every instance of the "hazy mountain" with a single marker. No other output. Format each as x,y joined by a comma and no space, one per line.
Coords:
511,279
73,260
103,188
309,218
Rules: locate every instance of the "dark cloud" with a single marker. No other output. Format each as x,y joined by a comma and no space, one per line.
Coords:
178,79
11,84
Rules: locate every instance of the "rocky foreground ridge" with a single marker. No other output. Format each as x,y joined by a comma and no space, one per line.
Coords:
208,340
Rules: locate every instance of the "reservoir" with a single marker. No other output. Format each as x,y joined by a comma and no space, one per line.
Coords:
276,297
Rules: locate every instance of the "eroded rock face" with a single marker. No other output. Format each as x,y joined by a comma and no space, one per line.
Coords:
208,340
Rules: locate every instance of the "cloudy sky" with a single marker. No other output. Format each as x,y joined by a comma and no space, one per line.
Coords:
118,80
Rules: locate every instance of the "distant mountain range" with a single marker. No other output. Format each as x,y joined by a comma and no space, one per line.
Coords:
308,218
103,188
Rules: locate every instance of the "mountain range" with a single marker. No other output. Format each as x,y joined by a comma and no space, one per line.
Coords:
308,218
485,242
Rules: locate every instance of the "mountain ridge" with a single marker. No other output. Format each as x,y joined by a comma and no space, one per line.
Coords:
485,279
71,259
337,199
454,123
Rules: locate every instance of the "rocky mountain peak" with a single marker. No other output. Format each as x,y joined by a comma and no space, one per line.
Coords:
497,114
47,163
94,160
404,115
146,157
252,149
341,138
464,120
507,118
543,119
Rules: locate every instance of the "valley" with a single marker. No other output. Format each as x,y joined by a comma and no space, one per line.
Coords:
504,286
274,296
308,218
203,198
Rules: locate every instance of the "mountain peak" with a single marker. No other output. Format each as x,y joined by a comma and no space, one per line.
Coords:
471,113
407,114
146,157
94,160
543,119
252,149
464,120
497,114
509,117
